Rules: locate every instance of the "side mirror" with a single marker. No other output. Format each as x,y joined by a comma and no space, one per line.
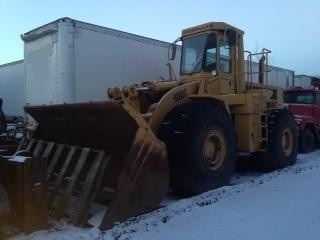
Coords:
173,49
232,35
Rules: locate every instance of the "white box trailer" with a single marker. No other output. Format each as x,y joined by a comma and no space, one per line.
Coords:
303,81
69,61
12,88
279,77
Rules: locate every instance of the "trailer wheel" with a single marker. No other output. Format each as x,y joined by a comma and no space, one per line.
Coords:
282,141
201,146
306,141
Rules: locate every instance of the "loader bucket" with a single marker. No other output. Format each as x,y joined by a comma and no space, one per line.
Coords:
98,151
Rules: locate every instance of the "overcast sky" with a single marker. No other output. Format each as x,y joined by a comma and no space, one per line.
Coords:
291,29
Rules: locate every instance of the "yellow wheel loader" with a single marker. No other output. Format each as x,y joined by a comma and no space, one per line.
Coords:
182,134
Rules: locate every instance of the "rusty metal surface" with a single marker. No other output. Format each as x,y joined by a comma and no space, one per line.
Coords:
101,125
144,180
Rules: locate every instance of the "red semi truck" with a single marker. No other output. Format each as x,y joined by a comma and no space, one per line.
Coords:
304,103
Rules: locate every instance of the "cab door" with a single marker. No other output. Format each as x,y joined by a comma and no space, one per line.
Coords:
225,68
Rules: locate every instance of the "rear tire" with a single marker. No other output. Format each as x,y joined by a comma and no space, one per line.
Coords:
201,147
282,141
306,141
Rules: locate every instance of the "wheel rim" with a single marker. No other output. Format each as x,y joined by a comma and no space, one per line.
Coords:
214,149
287,141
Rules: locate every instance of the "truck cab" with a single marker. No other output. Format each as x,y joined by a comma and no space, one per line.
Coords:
304,103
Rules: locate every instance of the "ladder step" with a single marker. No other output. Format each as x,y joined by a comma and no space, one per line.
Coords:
264,132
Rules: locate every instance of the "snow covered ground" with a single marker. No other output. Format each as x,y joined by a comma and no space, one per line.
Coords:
283,204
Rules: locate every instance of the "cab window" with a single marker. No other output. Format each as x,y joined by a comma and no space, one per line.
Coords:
225,56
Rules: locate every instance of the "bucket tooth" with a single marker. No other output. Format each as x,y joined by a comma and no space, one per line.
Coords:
48,150
55,158
61,176
38,148
91,186
63,200
30,145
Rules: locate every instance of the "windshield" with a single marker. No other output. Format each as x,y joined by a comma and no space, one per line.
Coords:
298,97
199,54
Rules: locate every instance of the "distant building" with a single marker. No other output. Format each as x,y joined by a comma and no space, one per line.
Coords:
12,88
315,81
302,81
276,76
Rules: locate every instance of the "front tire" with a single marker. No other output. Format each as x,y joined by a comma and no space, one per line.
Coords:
201,146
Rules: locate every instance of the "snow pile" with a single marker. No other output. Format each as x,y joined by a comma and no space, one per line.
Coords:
283,204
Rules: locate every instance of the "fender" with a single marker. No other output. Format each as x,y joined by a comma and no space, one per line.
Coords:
185,93
171,99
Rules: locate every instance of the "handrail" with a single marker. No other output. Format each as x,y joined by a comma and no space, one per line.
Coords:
264,54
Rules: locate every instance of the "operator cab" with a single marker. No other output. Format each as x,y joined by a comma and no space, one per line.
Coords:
210,51
200,53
